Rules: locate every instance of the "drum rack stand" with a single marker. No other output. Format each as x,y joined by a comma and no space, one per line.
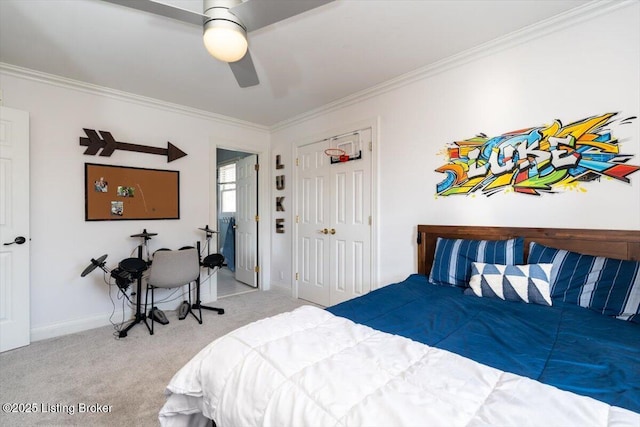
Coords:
198,304
139,316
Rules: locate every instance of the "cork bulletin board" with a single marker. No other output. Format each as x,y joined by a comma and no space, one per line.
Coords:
116,193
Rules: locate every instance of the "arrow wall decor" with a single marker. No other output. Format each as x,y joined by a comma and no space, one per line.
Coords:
105,142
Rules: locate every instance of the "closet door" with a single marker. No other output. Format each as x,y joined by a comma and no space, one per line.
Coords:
333,221
350,231
313,223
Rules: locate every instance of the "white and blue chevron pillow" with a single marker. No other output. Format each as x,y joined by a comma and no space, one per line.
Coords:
525,283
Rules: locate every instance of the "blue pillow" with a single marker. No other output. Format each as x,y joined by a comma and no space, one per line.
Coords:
606,285
453,257
523,283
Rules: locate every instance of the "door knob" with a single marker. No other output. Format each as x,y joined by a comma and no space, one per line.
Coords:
332,231
323,231
18,241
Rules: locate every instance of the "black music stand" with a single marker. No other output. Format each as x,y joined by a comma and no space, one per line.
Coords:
210,263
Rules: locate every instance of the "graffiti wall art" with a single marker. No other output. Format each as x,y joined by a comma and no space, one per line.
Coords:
545,159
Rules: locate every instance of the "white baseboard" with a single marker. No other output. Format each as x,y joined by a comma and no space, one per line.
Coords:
79,325
76,325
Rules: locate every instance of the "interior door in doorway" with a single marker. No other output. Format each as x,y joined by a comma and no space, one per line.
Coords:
14,229
247,220
334,229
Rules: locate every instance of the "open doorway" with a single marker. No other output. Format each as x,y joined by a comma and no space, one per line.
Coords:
237,195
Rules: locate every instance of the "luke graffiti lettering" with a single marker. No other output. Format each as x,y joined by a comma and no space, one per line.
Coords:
536,160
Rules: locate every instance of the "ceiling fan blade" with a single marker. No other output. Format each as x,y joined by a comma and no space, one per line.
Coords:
163,9
256,14
244,71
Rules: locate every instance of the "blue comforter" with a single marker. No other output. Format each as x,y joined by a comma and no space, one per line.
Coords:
566,346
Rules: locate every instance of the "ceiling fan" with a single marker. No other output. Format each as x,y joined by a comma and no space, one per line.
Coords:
226,23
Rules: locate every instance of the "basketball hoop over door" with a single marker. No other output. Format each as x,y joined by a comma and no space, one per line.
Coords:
345,148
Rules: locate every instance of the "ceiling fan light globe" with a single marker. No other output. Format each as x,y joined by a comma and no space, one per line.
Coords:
225,44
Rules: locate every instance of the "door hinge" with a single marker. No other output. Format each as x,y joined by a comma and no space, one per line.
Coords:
256,269
297,276
370,220
297,219
297,162
370,145
257,218
256,167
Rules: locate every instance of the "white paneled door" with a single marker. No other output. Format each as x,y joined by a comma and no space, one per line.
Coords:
313,223
246,220
14,229
334,221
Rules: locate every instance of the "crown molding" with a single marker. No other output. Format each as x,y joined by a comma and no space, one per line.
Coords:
72,84
540,29
557,23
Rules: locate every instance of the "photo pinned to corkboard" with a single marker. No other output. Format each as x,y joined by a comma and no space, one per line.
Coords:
129,193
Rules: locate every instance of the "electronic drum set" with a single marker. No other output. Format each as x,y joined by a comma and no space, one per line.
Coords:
131,270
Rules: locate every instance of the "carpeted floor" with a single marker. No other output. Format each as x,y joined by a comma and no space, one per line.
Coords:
92,379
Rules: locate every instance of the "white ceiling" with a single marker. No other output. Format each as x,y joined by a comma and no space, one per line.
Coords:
303,63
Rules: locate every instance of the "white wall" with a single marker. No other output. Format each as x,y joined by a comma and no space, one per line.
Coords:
585,68
62,241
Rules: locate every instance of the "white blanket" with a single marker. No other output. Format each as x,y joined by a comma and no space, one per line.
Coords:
311,368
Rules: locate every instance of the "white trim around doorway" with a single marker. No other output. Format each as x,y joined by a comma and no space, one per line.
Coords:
264,237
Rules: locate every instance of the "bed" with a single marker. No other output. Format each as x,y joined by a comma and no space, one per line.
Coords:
551,339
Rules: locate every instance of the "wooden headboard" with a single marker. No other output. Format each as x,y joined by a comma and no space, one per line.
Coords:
620,244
